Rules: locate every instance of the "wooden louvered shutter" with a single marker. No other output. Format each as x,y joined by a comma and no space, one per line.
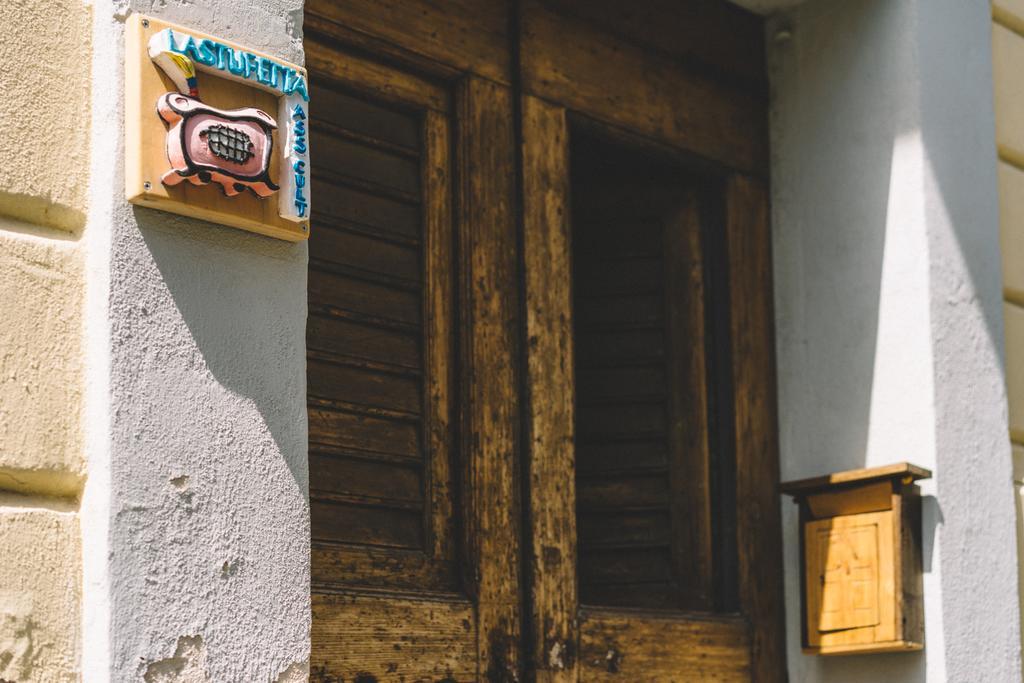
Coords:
642,459
380,342
411,414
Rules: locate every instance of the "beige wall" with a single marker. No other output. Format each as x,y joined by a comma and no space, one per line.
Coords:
44,111
44,162
1008,62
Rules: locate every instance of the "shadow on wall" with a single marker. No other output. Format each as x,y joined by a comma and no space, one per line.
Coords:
243,299
210,477
865,271
888,295
974,472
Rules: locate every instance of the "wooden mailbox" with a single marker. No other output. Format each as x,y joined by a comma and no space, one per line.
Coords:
860,542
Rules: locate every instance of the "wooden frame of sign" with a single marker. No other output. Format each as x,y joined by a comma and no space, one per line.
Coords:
146,154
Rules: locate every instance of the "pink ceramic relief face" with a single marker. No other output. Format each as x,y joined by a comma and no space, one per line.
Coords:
239,147
229,147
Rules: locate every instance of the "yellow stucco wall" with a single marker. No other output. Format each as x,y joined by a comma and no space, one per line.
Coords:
40,387
44,112
39,591
1007,60
44,163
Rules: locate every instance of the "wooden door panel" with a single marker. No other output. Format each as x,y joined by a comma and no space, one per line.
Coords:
620,459
551,551
578,65
396,472
490,383
621,646
452,37
718,37
752,335
392,639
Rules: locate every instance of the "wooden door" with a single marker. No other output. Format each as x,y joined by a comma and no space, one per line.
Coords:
539,344
412,387
653,531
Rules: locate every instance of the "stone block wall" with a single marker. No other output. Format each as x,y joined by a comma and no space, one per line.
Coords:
44,168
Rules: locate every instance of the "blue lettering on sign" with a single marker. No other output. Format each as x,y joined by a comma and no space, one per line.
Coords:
300,182
239,63
236,62
208,52
299,167
299,117
265,74
190,49
299,86
252,64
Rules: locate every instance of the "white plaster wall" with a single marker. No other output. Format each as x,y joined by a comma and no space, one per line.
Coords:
195,514
887,276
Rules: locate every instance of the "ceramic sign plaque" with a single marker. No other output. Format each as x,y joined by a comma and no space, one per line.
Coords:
216,131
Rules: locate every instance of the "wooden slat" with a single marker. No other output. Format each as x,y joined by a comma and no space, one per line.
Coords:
347,339
365,477
623,491
350,293
390,639
354,207
624,421
627,275
613,237
348,430
363,386
357,567
366,525
597,74
606,347
622,528
652,595
615,566
488,233
355,114
552,558
603,455
340,180
622,383
469,36
756,427
368,163
646,309
364,253
627,646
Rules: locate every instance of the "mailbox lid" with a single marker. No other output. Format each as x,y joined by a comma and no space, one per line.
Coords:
902,471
